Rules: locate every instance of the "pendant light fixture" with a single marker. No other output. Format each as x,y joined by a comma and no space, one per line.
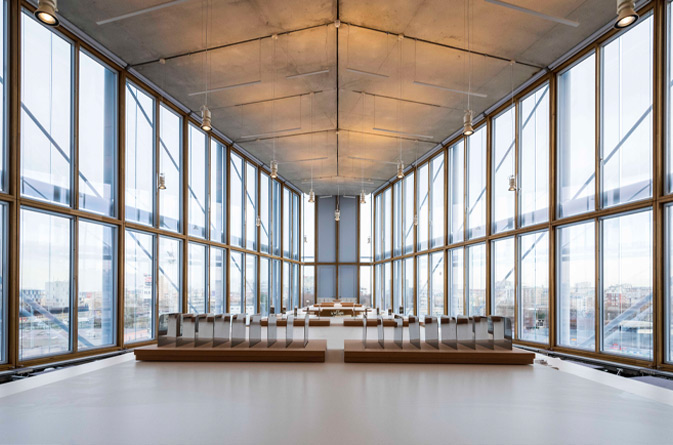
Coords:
311,194
206,123
162,181
337,212
274,167
363,199
467,123
46,12
400,169
468,130
626,14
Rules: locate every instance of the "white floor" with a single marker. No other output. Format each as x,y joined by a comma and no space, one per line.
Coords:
120,401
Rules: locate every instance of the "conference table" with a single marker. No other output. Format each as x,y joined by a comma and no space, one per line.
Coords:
337,310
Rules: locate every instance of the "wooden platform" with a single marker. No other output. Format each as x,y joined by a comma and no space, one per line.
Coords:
314,352
355,352
299,322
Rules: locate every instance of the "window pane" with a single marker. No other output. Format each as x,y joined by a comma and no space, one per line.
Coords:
236,268
503,278
295,228
218,191
437,178
169,285
576,286
287,303
251,206
366,230
456,283
197,181
422,207
668,274
503,169
437,283
308,285
398,283
476,184
287,205
308,226
46,113
627,285
577,138
669,96
275,286
626,133
534,157
409,213
533,319
397,218
409,291
264,207
457,192
264,285
366,285
3,113
170,160
3,278
236,201
377,284
377,226
294,286
275,216
387,286
476,280
139,287
96,285
218,280
97,136
422,284
139,156
196,295
250,284
45,282
348,284
387,223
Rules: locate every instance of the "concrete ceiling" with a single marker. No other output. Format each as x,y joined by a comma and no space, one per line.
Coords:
341,113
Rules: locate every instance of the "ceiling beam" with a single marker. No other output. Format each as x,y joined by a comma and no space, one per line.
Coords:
418,39
227,45
444,45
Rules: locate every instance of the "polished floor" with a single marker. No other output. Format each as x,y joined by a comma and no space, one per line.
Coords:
119,401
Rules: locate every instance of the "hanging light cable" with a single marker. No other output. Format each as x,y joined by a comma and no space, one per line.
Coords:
400,163
274,163
512,178
362,165
46,12
311,194
468,130
206,121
